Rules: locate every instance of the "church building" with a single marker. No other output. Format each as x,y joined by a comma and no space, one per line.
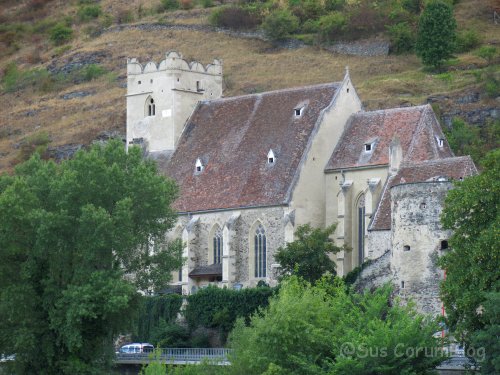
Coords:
253,168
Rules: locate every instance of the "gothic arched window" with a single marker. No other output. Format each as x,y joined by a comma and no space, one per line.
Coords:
260,251
361,228
150,106
217,248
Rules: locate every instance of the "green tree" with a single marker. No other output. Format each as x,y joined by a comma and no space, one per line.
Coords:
69,235
473,264
436,34
309,255
327,329
485,340
280,24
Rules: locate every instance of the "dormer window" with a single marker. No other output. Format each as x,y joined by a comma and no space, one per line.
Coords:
271,159
198,166
440,141
369,145
298,111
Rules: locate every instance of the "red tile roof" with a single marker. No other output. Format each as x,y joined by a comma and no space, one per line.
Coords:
416,128
453,168
232,138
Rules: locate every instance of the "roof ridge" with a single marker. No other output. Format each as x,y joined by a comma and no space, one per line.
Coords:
260,94
433,161
377,111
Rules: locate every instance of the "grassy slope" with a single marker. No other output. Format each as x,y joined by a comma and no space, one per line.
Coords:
249,66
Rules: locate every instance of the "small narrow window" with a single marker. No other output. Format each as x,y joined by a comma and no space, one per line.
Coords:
406,248
150,81
198,86
298,111
348,90
180,274
444,244
402,284
198,165
270,157
151,107
139,82
423,206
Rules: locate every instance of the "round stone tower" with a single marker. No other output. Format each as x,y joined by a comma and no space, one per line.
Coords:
418,240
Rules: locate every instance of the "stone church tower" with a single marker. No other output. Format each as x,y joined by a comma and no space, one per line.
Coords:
160,98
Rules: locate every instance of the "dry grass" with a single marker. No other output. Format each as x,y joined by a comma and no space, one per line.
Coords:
249,66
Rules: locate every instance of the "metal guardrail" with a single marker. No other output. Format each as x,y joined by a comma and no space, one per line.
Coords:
218,356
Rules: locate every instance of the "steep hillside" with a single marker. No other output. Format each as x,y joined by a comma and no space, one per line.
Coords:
54,95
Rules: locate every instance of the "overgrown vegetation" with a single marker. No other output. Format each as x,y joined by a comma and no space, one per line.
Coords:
41,79
476,141
219,308
471,290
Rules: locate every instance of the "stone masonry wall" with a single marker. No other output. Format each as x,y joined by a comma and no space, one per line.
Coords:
239,228
417,238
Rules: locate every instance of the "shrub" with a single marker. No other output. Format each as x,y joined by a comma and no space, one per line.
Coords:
186,4
15,79
307,9
89,12
168,5
402,37
124,16
234,17
487,53
60,34
87,73
364,20
218,308
37,142
156,315
331,25
467,40
331,5
310,26
280,24
413,6
207,3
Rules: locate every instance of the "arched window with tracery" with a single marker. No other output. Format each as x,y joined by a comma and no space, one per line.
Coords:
217,246
260,251
361,228
150,106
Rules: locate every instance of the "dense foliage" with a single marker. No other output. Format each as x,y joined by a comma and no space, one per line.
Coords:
156,314
473,264
324,329
465,139
309,256
436,33
69,234
219,307
328,329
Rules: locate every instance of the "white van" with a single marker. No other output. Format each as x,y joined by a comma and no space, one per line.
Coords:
137,348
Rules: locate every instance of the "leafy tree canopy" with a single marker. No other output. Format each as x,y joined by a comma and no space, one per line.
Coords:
325,329
473,264
69,234
309,255
436,33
